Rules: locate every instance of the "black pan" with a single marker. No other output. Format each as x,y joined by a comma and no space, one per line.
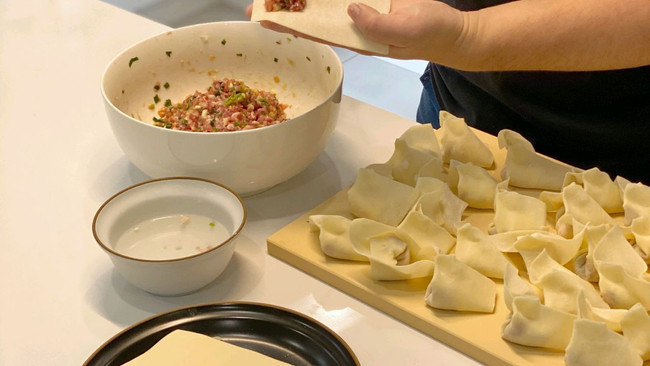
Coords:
274,331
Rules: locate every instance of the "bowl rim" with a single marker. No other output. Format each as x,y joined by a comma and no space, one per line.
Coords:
336,90
170,260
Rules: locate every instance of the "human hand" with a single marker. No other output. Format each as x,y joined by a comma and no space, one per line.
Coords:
414,29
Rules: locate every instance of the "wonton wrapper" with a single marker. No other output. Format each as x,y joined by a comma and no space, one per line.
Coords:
182,347
536,325
514,286
514,211
614,249
583,264
619,289
457,286
636,202
439,203
559,248
527,169
393,254
506,240
334,236
327,20
641,232
422,137
427,233
472,184
476,249
600,187
390,259
560,286
460,143
379,198
581,207
407,162
592,344
611,317
636,328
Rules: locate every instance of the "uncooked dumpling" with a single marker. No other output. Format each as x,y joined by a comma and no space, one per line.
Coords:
514,286
611,317
514,211
559,248
429,235
390,260
592,344
422,137
641,231
619,289
583,264
393,254
636,201
476,249
636,328
380,198
439,203
581,207
407,161
472,184
600,187
334,236
457,286
536,325
460,143
527,169
560,286
613,248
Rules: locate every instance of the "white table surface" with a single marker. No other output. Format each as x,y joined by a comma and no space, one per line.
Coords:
60,298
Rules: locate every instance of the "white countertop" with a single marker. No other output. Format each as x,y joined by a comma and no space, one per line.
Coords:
59,296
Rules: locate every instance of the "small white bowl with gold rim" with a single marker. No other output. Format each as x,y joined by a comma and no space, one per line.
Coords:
170,236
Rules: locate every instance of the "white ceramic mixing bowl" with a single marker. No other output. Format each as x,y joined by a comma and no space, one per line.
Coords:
305,75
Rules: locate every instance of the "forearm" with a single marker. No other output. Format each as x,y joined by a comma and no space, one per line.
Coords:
565,35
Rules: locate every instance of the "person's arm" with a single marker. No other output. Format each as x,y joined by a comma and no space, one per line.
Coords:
567,35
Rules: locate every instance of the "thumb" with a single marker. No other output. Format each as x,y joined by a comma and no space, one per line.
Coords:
367,19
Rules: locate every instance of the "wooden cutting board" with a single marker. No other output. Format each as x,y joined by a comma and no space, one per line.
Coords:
477,335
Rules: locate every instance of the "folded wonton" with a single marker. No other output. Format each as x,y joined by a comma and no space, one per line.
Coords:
599,186
460,143
611,317
514,285
559,285
533,324
438,202
393,254
636,201
427,233
476,249
334,236
619,289
592,344
636,327
457,286
407,162
472,184
527,169
514,211
380,198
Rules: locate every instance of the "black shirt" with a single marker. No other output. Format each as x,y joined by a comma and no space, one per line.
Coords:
587,119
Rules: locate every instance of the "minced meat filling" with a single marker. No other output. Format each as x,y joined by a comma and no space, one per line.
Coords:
291,5
228,105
